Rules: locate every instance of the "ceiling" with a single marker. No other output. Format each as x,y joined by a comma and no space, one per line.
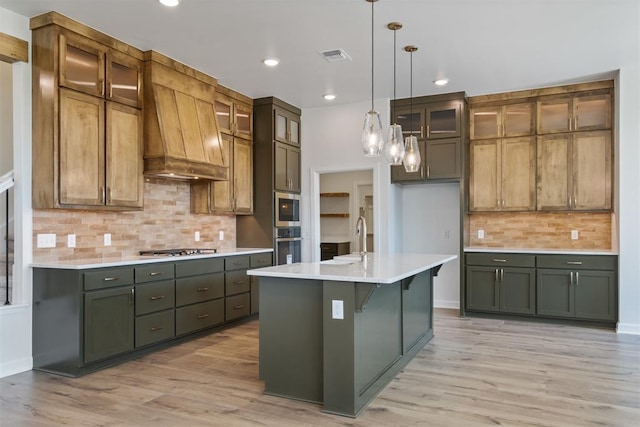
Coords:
482,46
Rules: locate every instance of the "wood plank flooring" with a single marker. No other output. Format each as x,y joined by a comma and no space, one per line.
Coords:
474,372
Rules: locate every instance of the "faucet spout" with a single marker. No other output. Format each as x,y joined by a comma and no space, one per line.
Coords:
361,232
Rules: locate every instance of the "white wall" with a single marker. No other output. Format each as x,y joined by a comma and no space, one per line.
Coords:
15,320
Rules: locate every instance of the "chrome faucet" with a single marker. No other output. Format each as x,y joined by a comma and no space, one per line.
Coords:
361,231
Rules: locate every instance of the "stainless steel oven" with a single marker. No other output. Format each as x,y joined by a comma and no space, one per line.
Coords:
288,243
287,210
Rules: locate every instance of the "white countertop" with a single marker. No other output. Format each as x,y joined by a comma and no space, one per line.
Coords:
81,264
379,268
543,251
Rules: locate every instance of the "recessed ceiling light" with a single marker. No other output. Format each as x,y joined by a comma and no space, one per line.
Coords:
441,82
329,97
271,62
170,3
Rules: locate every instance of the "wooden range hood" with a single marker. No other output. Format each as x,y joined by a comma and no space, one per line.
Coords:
181,136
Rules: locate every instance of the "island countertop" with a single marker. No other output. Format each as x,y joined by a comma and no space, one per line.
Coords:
379,268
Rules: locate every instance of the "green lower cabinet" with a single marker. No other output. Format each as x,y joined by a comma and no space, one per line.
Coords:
108,323
581,294
504,290
482,289
155,327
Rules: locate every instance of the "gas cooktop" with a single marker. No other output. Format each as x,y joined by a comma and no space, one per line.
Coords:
178,251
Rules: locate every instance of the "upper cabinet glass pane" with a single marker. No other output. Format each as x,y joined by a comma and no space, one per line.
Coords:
592,113
518,120
124,83
295,132
411,123
554,116
243,121
485,123
443,122
82,70
223,114
281,127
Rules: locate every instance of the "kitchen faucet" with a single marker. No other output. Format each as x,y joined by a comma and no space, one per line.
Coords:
361,231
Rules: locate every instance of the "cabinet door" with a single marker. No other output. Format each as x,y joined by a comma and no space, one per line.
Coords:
224,114
293,169
124,77
82,65
484,175
517,290
592,112
412,121
286,127
553,172
281,180
443,120
554,115
443,159
243,116
482,289
518,120
398,174
243,176
221,192
517,174
81,160
108,323
124,158
555,293
294,130
485,122
595,295
591,171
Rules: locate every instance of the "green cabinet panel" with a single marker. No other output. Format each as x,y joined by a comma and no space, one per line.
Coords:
155,327
577,262
517,290
237,262
417,316
555,293
201,288
260,260
255,295
237,306
482,289
153,272
236,282
194,267
501,260
199,316
108,323
155,296
107,278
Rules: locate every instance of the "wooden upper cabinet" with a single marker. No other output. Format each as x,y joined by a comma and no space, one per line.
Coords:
234,118
286,127
574,171
502,121
124,79
574,113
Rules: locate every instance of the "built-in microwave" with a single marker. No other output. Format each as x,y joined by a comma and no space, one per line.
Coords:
287,210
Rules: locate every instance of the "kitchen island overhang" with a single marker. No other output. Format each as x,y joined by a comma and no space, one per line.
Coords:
337,333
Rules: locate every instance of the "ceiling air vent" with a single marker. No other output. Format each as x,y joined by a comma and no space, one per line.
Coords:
335,55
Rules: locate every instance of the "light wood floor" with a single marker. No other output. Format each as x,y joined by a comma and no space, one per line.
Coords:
474,372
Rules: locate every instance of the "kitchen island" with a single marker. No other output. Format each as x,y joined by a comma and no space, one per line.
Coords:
336,332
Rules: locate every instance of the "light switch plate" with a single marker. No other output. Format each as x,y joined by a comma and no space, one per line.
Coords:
46,240
480,234
574,234
220,235
71,240
196,236
337,309
107,239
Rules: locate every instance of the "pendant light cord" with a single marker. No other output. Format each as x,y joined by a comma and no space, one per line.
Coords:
393,111
411,89
372,62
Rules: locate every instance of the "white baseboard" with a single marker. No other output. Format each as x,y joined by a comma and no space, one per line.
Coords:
628,328
16,366
446,304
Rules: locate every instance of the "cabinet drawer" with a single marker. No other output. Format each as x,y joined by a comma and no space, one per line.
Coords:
199,316
501,260
108,278
155,296
237,306
199,266
155,327
153,272
237,262
260,260
236,282
190,290
577,262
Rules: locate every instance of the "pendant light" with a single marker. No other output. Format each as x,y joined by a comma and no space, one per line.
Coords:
394,148
411,159
372,135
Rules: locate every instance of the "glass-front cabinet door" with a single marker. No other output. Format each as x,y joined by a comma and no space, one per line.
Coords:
554,116
243,121
124,75
224,110
485,122
518,120
443,120
592,112
286,127
81,66
411,120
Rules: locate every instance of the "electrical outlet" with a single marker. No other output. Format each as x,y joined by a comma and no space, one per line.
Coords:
220,235
480,234
46,240
196,236
71,240
337,309
574,234
107,239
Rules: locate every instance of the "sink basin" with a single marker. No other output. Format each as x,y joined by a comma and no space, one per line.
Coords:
338,262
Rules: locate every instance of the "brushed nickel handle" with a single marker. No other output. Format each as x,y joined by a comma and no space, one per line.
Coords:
421,131
428,171
203,289
428,131
237,263
499,260
110,89
131,295
203,316
570,123
102,194
421,171
101,85
574,262
571,279
502,274
155,328
156,273
575,123
238,307
577,278
108,194
156,297
110,279
496,273
238,282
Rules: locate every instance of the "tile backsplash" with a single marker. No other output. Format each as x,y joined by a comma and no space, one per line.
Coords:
165,222
540,230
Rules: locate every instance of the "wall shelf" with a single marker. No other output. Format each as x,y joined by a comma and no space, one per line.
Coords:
334,215
334,194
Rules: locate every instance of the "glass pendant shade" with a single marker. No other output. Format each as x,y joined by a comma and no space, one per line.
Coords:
372,135
411,159
394,148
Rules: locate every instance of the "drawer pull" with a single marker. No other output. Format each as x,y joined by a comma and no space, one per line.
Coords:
499,260
203,316
155,273
238,282
237,263
574,262
238,307
110,279
155,328
156,297
203,289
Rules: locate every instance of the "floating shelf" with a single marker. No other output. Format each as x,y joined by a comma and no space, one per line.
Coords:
334,215
334,194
